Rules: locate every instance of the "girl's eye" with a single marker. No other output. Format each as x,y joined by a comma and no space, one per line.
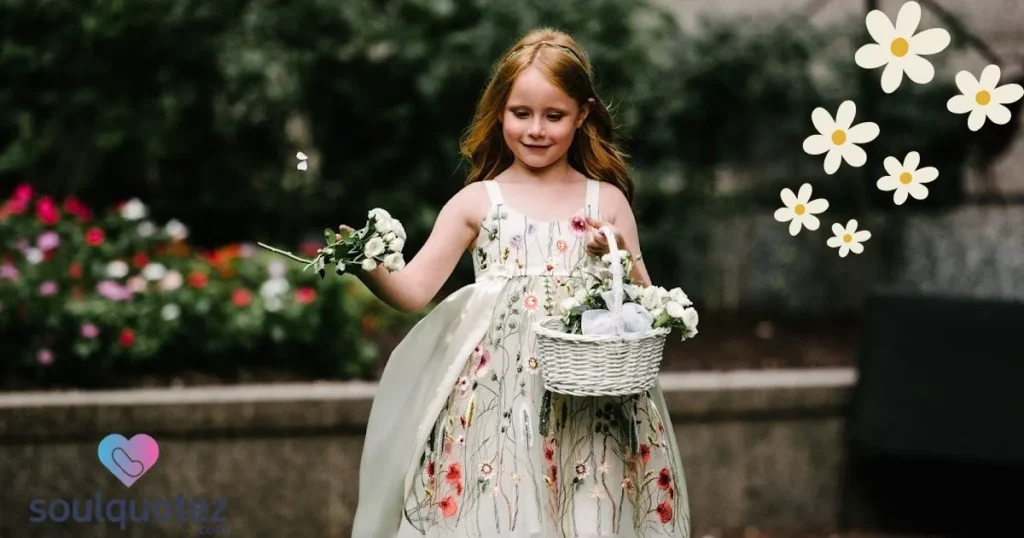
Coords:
554,117
521,115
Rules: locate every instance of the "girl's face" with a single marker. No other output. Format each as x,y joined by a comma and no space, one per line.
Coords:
539,120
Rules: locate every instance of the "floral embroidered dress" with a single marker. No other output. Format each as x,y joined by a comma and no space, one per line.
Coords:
507,458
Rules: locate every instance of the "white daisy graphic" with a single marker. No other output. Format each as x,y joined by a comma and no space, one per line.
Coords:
983,98
848,239
906,178
839,137
800,209
899,49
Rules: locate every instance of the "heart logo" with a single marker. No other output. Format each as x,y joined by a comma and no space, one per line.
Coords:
128,460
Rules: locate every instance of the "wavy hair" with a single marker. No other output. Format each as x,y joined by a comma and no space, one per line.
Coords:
593,150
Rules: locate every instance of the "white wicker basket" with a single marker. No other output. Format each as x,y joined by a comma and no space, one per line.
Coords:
605,365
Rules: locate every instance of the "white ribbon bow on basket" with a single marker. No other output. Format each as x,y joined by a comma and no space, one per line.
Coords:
629,320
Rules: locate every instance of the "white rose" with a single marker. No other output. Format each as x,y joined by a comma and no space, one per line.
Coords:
649,297
374,247
399,230
117,269
170,312
675,309
274,287
154,271
383,225
134,209
390,237
146,229
34,256
171,281
378,213
176,229
690,318
657,311
678,296
369,264
394,262
570,303
397,245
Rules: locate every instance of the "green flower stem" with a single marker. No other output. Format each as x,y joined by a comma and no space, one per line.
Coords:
285,253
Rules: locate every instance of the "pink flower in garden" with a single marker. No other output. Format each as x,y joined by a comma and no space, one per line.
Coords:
90,331
48,288
45,357
9,272
171,281
136,284
94,237
48,241
113,291
47,211
75,207
23,193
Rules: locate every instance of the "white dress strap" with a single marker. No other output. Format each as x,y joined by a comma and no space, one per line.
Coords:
593,190
493,191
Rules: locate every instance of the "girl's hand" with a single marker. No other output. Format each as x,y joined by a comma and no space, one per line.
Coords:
597,243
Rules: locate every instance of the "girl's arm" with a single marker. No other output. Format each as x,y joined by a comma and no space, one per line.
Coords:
413,287
620,216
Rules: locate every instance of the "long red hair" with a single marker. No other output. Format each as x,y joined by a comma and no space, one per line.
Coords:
593,151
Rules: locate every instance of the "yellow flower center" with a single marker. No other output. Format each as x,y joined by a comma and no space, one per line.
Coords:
899,47
799,209
906,178
847,238
838,137
983,98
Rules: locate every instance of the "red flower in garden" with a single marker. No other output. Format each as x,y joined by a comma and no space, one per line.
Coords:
305,295
23,193
127,338
47,211
198,280
241,297
94,237
75,270
140,260
75,207
664,511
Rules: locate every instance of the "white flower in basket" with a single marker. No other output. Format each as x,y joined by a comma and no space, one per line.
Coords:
611,335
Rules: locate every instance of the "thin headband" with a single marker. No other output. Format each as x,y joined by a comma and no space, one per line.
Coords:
550,44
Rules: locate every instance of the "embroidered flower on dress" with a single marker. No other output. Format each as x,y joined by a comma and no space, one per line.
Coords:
531,302
532,366
596,492
578,225
645,452
582,470
486,471
448,506
561,246
664,511
664,479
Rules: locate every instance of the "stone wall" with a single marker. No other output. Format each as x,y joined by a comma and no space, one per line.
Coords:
759,449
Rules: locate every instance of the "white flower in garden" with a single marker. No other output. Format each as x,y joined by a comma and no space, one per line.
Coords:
800,209
134,209
170,312
146,229
117,269
675,309
369,264
899,49
171,281
154,271
374,247
983,98
274,287
848,239
33,255
176,229
394,261
839,138
273,304
303,161
906,179
276,269
136,284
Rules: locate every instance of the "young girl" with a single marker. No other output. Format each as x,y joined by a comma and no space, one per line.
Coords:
463,440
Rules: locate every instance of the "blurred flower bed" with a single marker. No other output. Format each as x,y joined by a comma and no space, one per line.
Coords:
88,297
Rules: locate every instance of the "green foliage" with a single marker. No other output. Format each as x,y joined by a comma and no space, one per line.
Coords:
84,298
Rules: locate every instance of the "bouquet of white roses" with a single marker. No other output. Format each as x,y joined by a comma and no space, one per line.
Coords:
379,242
643,308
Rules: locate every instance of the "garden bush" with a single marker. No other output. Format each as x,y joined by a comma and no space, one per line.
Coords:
87,298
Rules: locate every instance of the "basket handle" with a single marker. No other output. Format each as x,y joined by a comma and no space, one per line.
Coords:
617,292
